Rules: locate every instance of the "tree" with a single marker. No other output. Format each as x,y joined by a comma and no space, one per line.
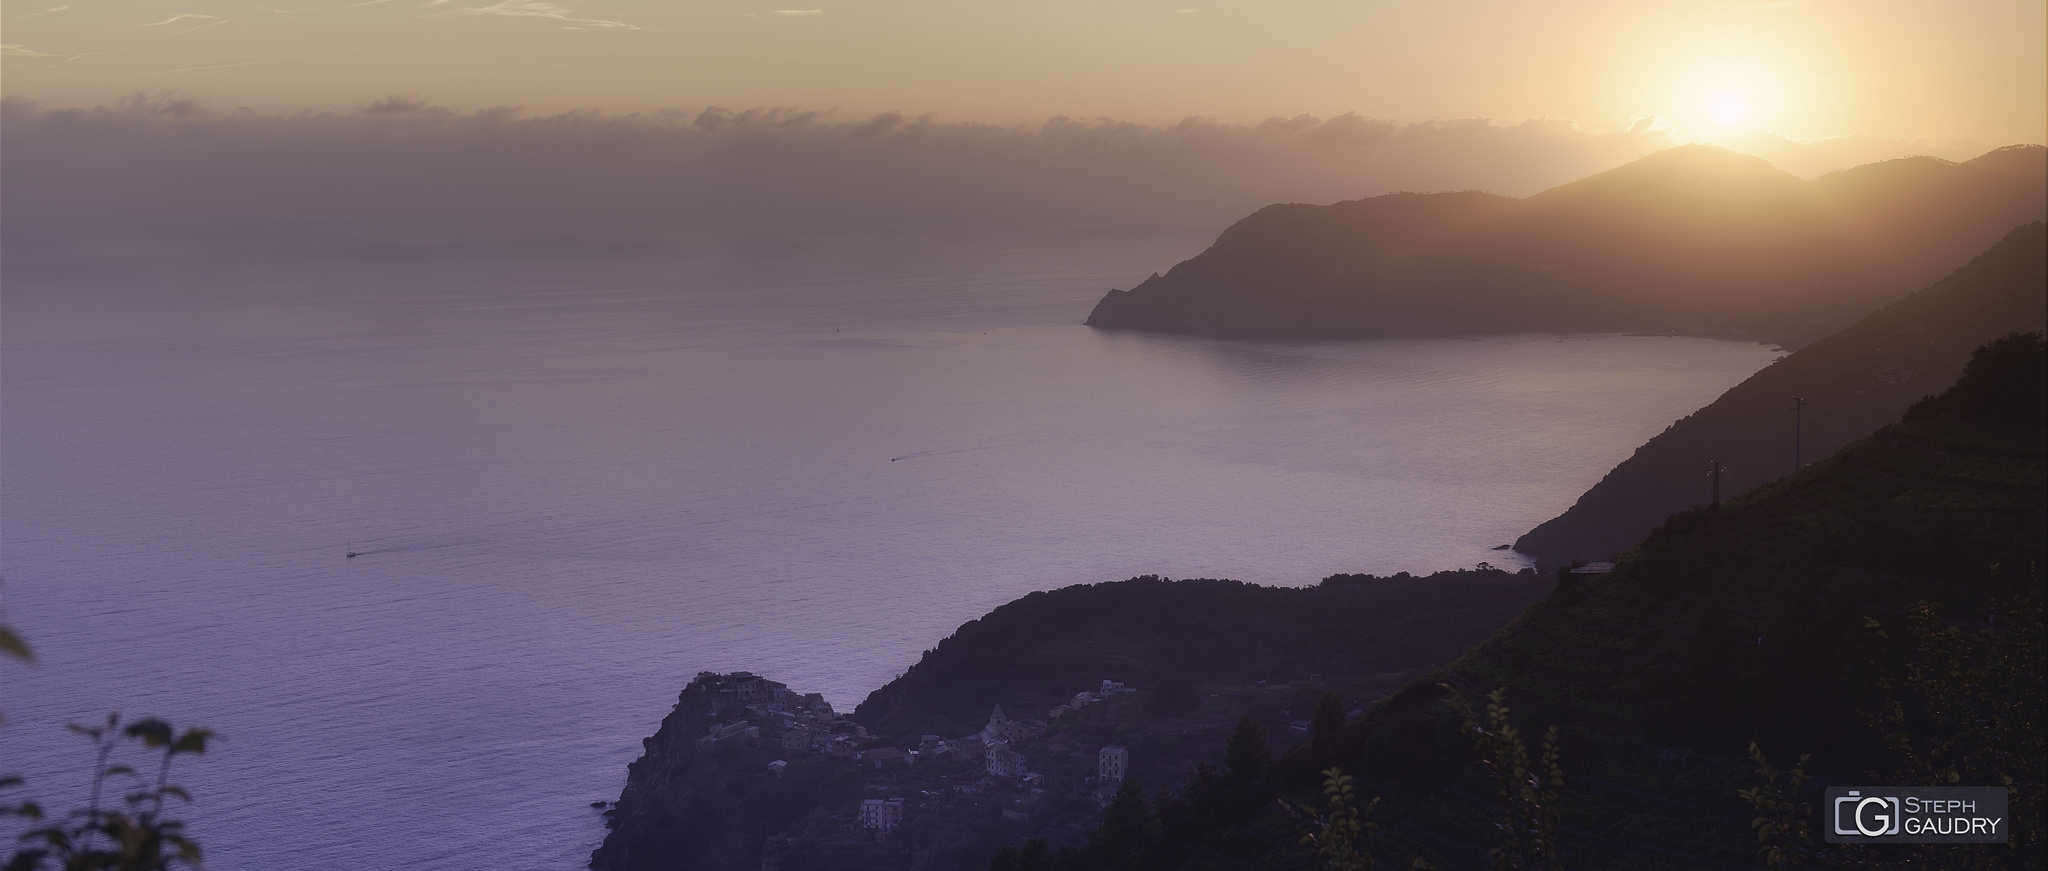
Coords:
1968,709
1341,834
1781,822
1529,822
1125,838
1329,721
1246,758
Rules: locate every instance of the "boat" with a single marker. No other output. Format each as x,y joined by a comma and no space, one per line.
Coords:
352,551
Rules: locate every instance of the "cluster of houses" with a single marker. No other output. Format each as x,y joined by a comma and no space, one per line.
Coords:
993,745
751,709
800,722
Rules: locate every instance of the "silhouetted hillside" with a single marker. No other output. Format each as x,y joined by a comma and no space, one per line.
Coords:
1695,240
1881,610
1853,382
1171,637
1784,618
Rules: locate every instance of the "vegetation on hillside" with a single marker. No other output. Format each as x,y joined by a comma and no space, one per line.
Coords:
1854,382
1877,617
1173,638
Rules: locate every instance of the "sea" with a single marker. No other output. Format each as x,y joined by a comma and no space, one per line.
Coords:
577,476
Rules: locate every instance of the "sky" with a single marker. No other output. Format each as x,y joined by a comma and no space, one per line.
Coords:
256,112
1904,70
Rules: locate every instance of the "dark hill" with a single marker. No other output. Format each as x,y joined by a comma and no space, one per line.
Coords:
1880,610
1783,618
1854,382
1695,240
1172,638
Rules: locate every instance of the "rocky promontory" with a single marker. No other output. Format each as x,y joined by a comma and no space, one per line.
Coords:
1023,724
1695,240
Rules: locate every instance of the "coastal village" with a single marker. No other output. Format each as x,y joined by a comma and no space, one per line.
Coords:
896,801
757,713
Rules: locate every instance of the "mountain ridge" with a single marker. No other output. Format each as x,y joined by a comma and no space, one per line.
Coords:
1695,240
1856,381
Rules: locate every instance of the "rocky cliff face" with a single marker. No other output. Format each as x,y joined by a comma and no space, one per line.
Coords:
1200,655
669,814
1696,240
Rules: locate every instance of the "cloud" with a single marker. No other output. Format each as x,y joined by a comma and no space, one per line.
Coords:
394,105
797,13
12,50
171,166
185,16
246,63
541,9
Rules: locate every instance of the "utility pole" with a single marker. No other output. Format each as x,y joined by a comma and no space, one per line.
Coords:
1716,472
1798,403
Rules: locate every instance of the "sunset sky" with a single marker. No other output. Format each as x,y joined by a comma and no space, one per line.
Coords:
1968,71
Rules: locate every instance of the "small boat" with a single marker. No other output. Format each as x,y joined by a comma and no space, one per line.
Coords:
352,551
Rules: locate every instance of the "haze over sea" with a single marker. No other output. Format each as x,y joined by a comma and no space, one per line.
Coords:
577,479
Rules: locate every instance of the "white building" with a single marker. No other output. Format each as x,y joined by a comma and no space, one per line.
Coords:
1004,762
881,814
1113,762
998,728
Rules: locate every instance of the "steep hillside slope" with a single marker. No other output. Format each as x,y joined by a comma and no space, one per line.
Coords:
1785,618
1853,382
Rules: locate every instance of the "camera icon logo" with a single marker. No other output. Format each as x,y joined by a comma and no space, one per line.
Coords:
1870,816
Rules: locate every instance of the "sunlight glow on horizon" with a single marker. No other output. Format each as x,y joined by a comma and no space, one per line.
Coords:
1728,108
1970,70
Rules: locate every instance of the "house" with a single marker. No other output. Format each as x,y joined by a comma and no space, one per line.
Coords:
881,814
1004,762
1113,688
796,737
723,732
1113,762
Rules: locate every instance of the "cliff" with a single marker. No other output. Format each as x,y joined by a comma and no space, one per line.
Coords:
1199,655
1853,382
1695,240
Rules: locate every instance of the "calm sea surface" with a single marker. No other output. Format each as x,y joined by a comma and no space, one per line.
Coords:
578,480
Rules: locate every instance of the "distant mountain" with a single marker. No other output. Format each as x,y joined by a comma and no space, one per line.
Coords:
1695,240
1853,382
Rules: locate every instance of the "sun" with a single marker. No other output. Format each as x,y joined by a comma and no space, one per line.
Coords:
1728,108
